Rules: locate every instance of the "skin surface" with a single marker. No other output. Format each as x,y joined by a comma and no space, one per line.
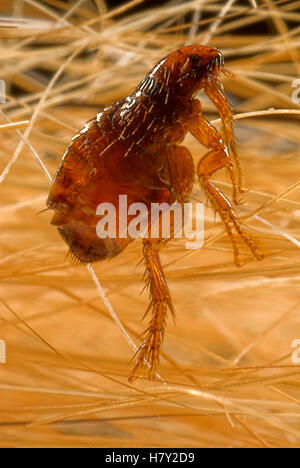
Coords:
133,148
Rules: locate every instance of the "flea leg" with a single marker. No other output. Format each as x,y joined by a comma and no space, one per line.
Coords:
214,90
225,210
181,172
211,162
159,304
209,136
178,175
218,158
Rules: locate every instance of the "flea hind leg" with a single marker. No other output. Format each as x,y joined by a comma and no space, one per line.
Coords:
160,303
178,175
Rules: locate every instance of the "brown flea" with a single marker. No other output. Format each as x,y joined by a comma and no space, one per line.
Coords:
133,148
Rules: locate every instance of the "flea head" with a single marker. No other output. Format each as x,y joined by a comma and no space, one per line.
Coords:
192,66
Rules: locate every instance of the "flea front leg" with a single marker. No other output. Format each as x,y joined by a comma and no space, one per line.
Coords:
160,302
218,158
214,90
209,136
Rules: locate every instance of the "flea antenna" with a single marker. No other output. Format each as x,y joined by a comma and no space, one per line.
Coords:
114,316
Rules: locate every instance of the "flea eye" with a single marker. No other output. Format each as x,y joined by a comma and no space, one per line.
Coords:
194,57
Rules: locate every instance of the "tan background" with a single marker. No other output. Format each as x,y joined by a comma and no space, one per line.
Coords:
227,362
